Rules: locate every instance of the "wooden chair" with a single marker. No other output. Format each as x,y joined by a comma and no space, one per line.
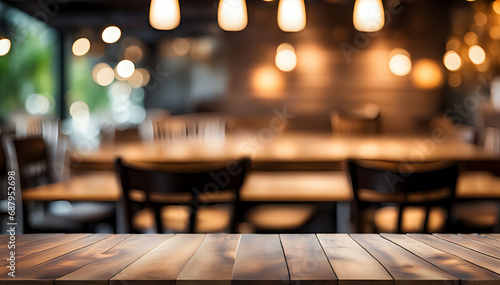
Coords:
478,215
356,120
30,159
399,197
167,197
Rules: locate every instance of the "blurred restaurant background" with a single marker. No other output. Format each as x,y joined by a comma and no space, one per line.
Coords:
315,93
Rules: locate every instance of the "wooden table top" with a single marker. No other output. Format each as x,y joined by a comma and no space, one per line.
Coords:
290,147
254,259
330,186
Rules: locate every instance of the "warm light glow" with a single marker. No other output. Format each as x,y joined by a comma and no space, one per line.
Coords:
496,6
453,44
452,61
481,19
427,74
4,46
477,54
181,46
125,68
111,34
232,15
454,80
103,74
495,32
286,59
267,82
133,53
291,15
470,38
368,15
164,14
81,47
400,63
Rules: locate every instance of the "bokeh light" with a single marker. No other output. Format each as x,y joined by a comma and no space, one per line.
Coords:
81,46
4,46
103,74
125,68
477,54
427,74
37,104
111,34
400,63
181,46
452,61
133,53
286,59
267,82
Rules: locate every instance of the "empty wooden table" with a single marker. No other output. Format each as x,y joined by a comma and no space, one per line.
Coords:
254,259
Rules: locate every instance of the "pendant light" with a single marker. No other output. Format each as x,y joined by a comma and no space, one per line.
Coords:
5,45
164,14
232,15
291,15
368,15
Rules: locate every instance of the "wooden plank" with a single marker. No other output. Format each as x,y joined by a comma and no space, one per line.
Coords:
22,241
403,266
307,262
469,273
66,263
483,239
48,254
213,262
109,263
493,236
260,259
352,264
470,255
34,247
163,264
472,244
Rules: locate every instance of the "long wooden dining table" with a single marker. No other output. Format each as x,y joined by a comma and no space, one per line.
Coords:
438,259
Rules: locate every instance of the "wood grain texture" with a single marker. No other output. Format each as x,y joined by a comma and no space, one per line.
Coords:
112,261
213,262
23,242
351,263
403,266
260,260
471,244
66,263
467,272
470,255
163,264
42,256
307,262
483,239
34,247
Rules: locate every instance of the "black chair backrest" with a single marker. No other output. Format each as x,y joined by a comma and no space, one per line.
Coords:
170,178
379,183
32,161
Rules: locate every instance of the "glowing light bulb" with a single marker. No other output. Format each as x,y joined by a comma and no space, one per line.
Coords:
477,54
81,47
452,61
164,14
4,46
232,15
286,59
291,15
111,34
368,15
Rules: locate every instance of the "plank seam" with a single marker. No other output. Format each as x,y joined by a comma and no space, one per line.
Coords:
286,261
444,239
462,235
393,280
328,259
455,254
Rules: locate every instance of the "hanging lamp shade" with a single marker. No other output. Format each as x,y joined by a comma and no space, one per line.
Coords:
368,15
232,15
291,15
164,14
